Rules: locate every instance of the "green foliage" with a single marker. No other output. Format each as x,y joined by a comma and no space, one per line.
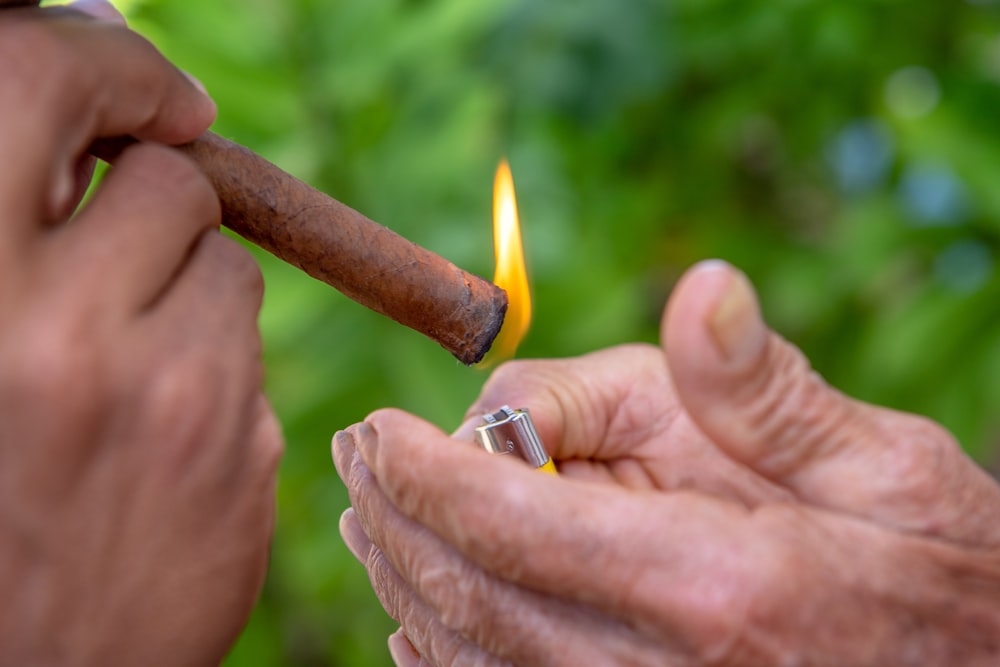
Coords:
844,154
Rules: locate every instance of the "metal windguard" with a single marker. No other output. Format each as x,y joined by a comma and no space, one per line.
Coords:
509,431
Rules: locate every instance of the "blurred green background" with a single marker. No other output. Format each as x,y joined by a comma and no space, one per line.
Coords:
845,154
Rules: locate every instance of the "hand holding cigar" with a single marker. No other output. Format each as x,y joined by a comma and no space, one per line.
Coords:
341,247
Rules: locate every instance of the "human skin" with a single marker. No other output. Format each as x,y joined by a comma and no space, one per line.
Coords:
137,451
718,504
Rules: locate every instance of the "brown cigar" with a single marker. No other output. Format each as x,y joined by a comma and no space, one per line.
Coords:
369,263
366,261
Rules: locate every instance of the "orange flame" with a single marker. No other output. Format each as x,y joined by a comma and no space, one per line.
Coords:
511,274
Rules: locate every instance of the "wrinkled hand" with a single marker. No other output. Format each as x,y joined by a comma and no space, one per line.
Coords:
732,510
137,452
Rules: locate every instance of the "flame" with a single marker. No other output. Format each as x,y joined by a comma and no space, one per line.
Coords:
511,274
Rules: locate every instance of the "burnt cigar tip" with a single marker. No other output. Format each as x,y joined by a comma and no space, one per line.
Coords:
477,342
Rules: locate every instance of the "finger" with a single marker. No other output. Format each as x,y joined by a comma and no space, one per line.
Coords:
576,403
130,241
402,651
80,80
505,620
613,416
206,319
254,461
267,442
533,530
756,396
219,290
435,643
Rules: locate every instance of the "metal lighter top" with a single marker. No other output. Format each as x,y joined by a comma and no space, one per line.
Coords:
508,431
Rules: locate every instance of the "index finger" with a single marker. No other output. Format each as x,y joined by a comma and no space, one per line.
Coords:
579,405
535,530
69,80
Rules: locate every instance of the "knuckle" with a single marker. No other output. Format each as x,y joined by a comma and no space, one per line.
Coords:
52,367
269,444
146,99
460,597
641,352
171,408
717,610
448,648
272,451
918,460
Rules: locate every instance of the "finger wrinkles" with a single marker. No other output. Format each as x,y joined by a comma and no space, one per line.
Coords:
453,587
403,545
790,417
493,509
505,619
532,530
436,643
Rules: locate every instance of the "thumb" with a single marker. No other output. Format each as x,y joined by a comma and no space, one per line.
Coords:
758,399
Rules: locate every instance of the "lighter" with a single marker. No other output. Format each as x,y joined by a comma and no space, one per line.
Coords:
508,431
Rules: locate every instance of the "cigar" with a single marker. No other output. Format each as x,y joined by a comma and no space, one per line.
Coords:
333,243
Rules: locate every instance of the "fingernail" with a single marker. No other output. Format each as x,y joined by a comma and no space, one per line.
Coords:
366,440
196,82
342,449
99,9
402,651
735,322
354,535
